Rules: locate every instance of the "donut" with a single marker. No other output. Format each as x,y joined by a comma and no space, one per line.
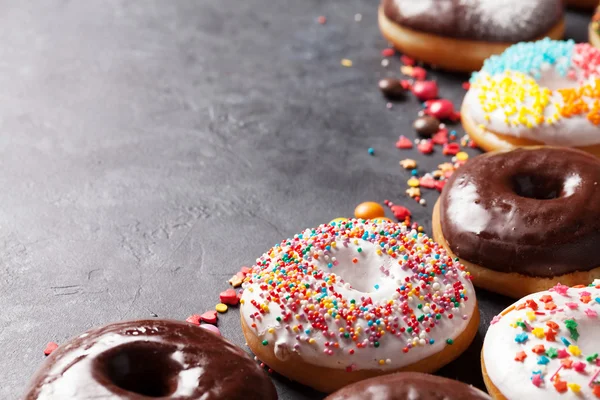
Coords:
523,220
545,346
437,31
147,359
408,386
347,301
594,29
583,4
539,93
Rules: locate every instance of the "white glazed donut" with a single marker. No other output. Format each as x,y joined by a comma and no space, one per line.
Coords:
544,92
357,299
545,345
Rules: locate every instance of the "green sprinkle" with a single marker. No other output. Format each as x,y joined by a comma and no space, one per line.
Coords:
522,325
592,358
265,342
449,341
278,319
359,250
552,352
438,316
376,344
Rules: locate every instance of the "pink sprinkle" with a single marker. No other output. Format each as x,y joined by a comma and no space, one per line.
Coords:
579,366
425,147
537,380
387,52
419,73
595,375
572,306
591,313
496,319
193,319
584,294
404,143
560,289
50,347
562,353
406,60
211,328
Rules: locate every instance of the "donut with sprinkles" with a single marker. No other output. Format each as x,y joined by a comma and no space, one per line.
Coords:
537,93
546,346
355,299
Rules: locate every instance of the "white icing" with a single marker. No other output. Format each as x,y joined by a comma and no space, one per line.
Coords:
574,131
513,378
356,281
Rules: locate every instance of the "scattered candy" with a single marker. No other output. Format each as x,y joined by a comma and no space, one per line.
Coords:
357,17
451,149
211,328
322,20
193,319
50,347
229,296
346,63
408,163
389,52
426,126
404,143
221,308
369,210
413,192
425,147
407,61
441,109
210,317
392,88
371,151
425,90
401,213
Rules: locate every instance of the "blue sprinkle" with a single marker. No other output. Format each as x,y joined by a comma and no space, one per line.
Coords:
565,341
371,151
543,360
521,338
414,172
329,265
528,58
307,331
376,286
597,299
370,323
431,341
538,372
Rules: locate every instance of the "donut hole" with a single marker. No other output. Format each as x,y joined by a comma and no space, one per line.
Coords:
144,368
537,186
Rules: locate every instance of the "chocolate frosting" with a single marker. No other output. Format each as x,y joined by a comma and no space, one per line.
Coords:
485,20
531,211
150,359
408,386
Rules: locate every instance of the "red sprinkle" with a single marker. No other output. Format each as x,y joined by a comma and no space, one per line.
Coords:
406,60
425,147
427,182
441,137
439,185
419,73
441,109
451,149
229,297
401,213
322,20
388,52
521,355
193,319
210,317
466,85
50,347
404,143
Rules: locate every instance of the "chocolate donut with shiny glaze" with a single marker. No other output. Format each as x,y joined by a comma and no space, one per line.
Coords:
150,359
408,386
532,211
485,20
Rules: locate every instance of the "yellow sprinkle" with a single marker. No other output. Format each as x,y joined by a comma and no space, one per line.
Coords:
271,330
538,332
346,62
574,387
221,307
531,316
242,301
381,362
413,182
575,350
312,341
337,221
462,156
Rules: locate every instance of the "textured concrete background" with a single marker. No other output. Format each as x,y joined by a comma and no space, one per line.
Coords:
149,149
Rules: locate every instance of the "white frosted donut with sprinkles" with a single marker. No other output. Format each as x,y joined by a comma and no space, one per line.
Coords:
355,299
546,346
545,92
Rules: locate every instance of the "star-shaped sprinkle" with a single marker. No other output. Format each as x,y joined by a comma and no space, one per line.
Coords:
543,360
408,163
592,358
521,355
572,327
560,289
567,363
552,352
521,337
550,335
560,386
546,298
574,350
552,325
550,306
537,380
413,192
591,313
539,349
538,332
572,306
579,366
530,316
575,388
531,304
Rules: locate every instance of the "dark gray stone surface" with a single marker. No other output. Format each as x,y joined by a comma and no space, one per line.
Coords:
149,149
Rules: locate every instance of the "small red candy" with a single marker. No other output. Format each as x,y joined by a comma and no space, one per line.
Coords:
245,270
419,73
425,90
466,85
404,143
427,182
387,52
50,347
425,147
439,185
406,60
193,319
451,149
441,109
210,317
229,297
401,213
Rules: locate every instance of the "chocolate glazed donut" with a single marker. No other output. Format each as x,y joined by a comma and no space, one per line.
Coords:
408,386
531,211
150,359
